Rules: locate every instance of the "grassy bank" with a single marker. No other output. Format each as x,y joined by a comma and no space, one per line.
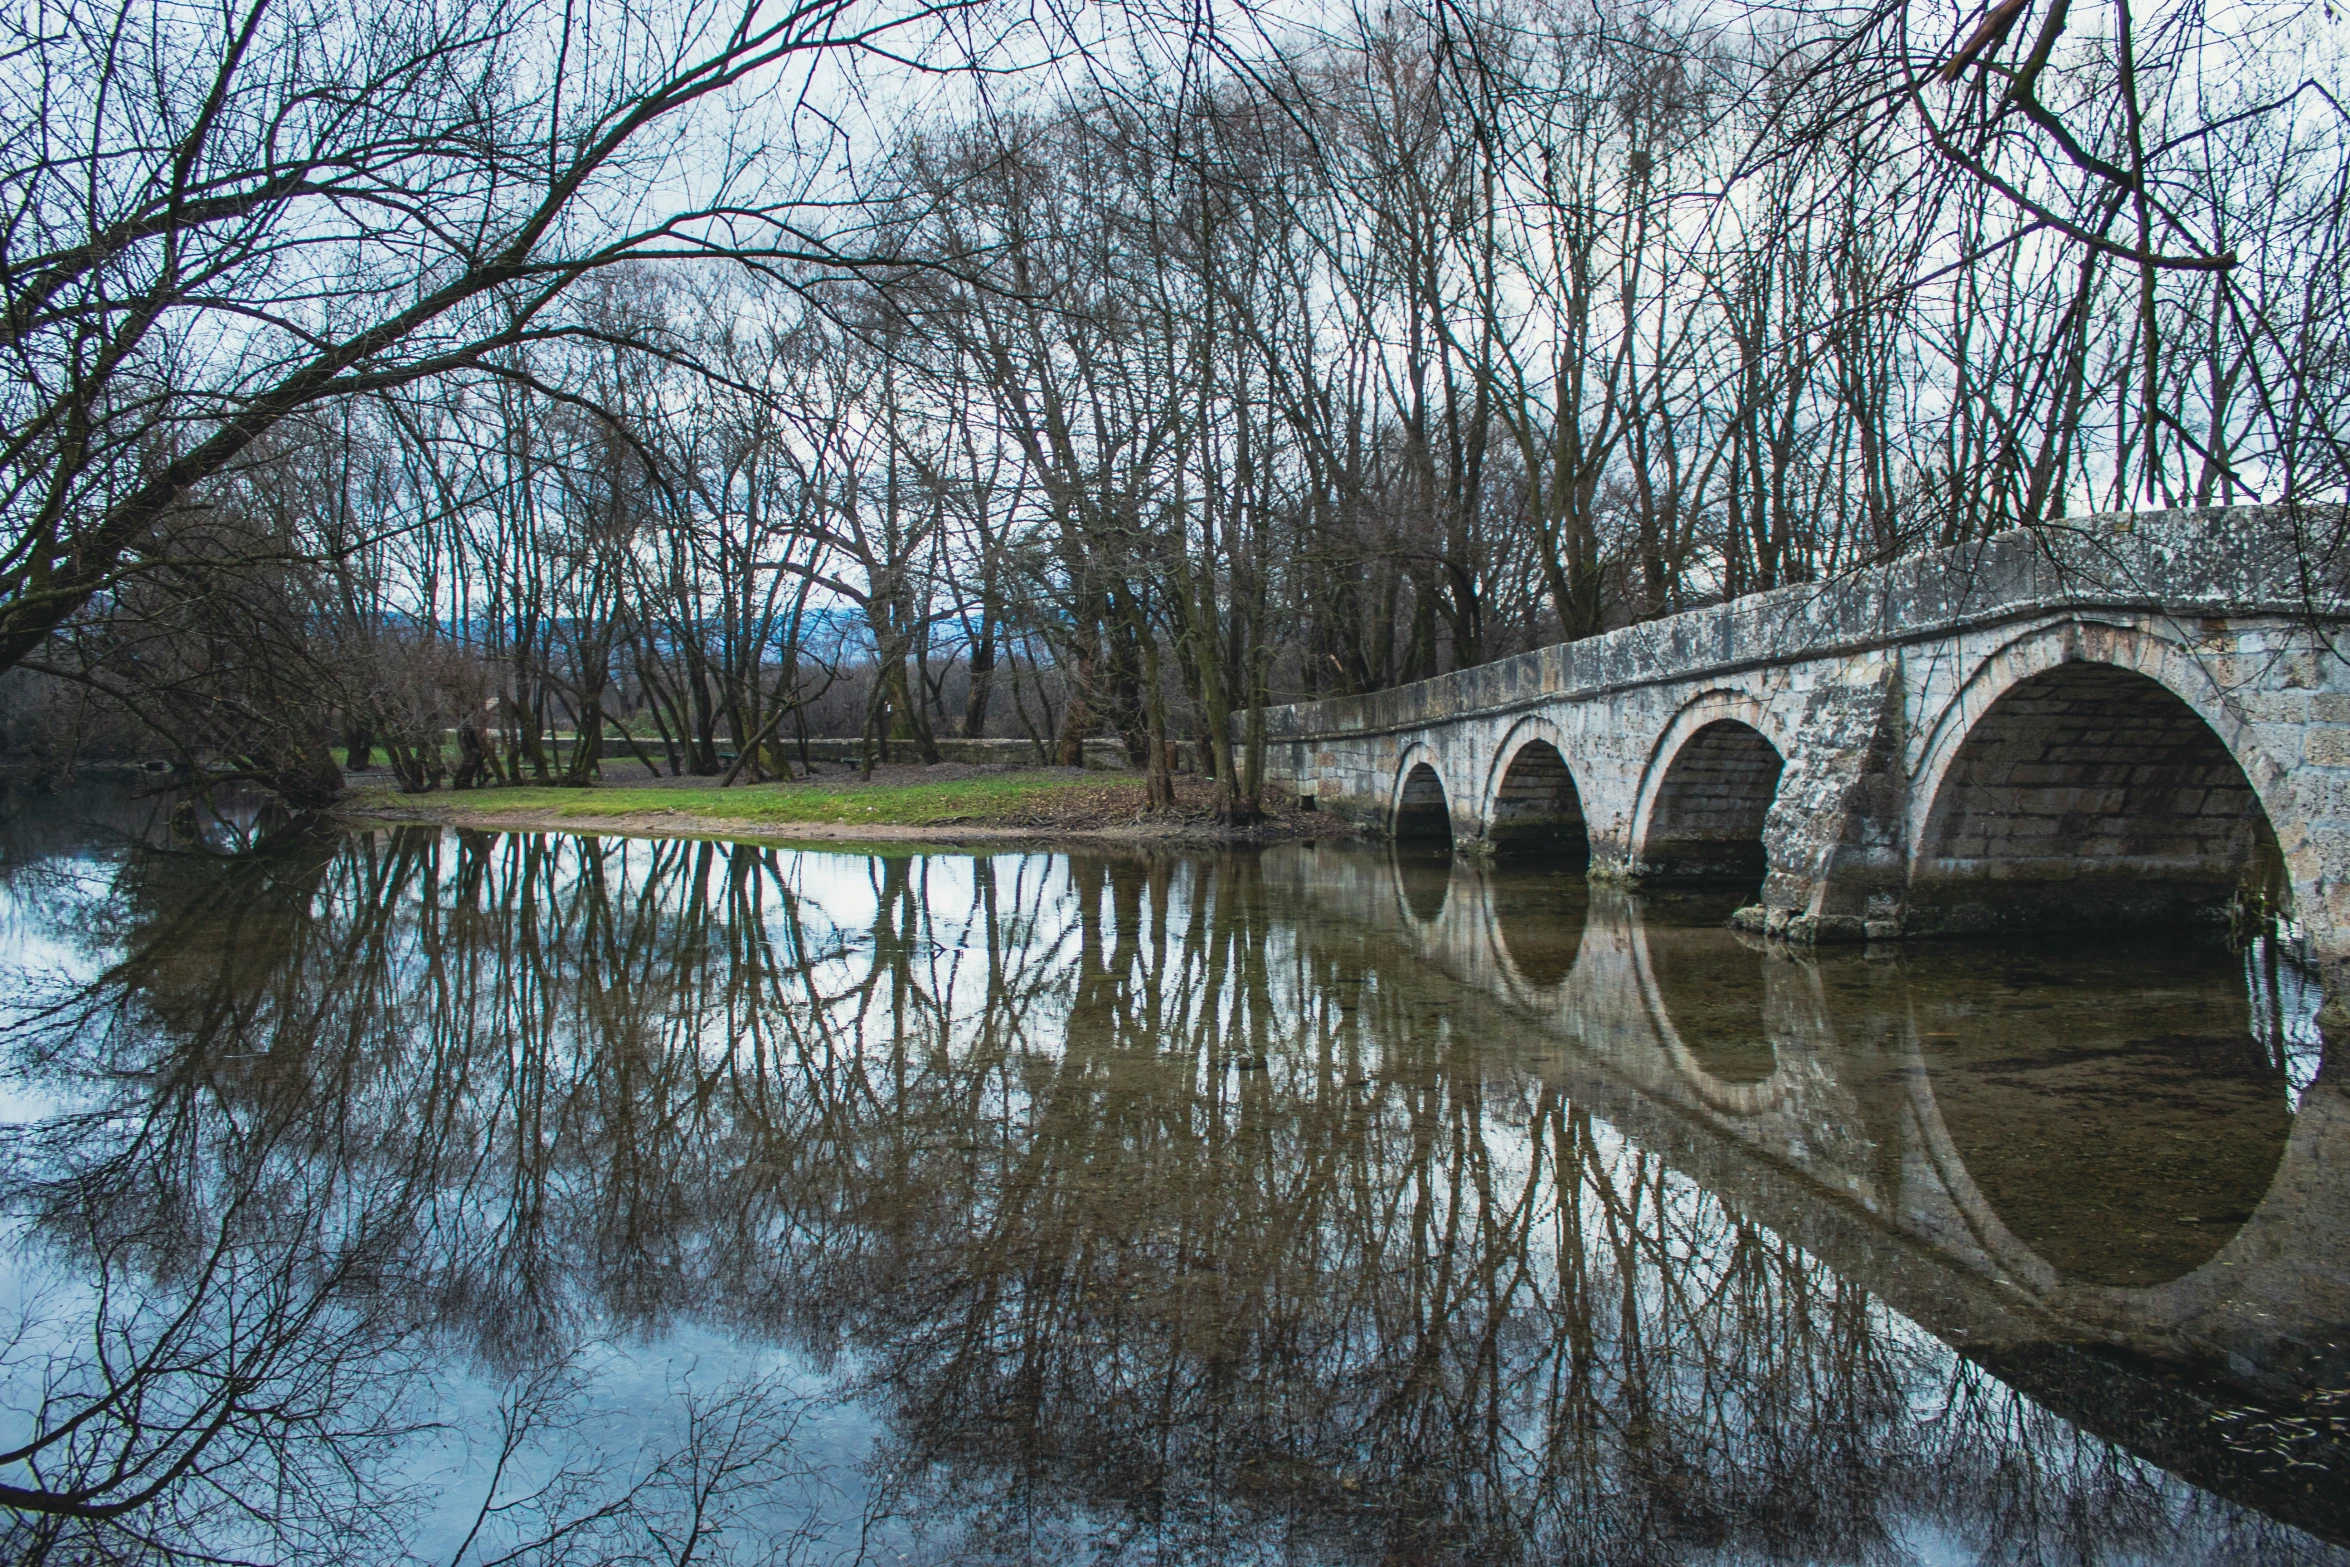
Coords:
906,805
899,802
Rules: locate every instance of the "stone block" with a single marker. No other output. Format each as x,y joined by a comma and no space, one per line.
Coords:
2286,707
2326,745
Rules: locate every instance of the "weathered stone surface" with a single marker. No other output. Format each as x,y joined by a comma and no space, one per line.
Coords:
2118,719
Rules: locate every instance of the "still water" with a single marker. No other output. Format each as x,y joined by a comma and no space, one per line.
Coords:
477,1198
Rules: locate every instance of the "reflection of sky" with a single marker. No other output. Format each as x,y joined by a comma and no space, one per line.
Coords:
2286,996
48,923
52,945
843,908
637,1408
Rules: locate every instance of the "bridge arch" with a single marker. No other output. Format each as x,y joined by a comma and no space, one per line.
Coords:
1420,808
1708,786
2093,771
1530,803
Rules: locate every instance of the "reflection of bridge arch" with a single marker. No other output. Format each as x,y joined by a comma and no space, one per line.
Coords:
1534,924
1894,1166
2286,1257
1742,1095
2097,768
1423,886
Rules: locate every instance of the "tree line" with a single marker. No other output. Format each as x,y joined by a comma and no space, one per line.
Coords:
493,389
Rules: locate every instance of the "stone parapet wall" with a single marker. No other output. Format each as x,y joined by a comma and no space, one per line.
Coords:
2224,561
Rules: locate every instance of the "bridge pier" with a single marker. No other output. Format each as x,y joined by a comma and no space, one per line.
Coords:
2140,720
1837,853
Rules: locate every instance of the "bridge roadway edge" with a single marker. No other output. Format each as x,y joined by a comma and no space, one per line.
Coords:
1868,684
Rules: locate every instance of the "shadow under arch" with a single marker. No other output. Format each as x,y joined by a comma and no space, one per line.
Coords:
1422,814
2122,1143
1706,823
1536,811
2090,794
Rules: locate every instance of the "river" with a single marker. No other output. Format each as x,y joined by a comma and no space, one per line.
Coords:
463,1197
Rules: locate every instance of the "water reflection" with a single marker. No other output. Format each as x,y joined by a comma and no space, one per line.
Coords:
2125,1133
1423,878
1539,911
1714,1011
1309,1204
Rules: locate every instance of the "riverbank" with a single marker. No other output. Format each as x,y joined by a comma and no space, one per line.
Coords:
948,803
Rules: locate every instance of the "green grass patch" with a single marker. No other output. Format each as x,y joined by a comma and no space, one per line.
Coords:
879,805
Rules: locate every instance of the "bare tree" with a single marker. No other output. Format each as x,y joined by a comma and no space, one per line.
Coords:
214,222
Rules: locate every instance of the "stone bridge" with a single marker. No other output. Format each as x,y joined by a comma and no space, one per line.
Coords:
2119,719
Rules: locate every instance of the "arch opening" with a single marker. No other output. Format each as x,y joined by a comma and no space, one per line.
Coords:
1422,814
2091,796
1707,823
1537,812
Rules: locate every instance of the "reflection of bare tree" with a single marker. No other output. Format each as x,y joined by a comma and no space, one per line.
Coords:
1143,1207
